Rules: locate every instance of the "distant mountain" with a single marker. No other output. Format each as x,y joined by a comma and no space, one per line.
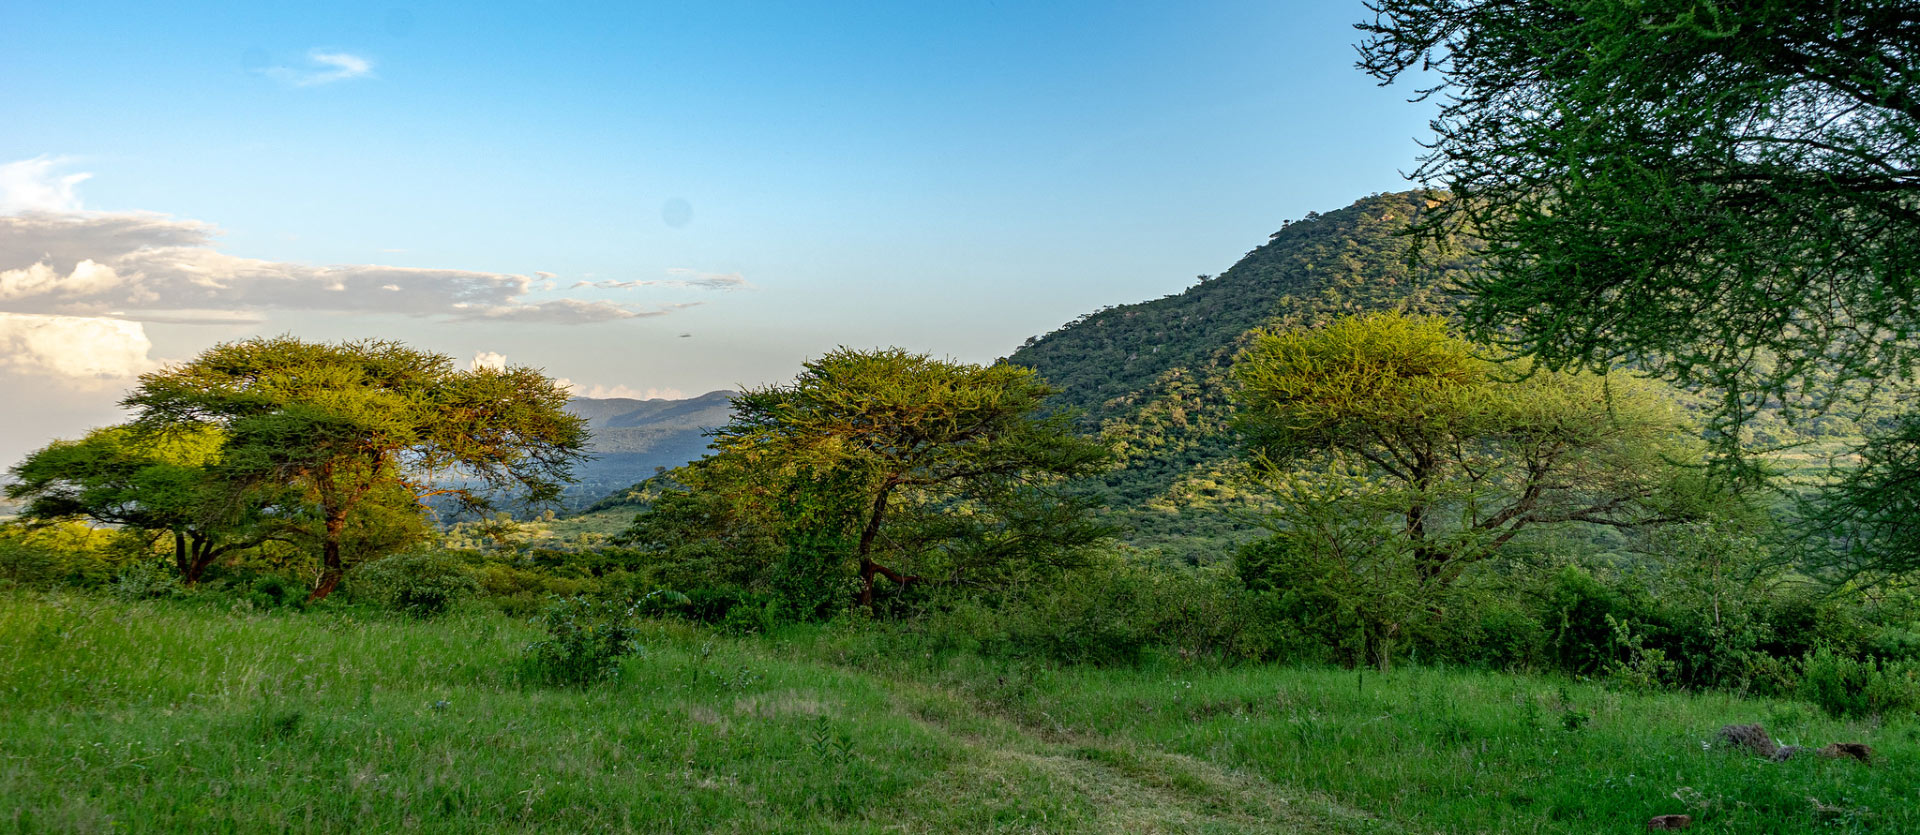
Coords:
1153,376
632,439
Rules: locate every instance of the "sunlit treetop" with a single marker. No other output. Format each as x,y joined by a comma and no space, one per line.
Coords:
1724,193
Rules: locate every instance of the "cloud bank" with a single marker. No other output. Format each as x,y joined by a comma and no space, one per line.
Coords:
78,287
152,267
86,351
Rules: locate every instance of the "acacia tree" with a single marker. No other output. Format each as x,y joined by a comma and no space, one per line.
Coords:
1724,193
1721,193
167,484
1467,452
879,430
342,421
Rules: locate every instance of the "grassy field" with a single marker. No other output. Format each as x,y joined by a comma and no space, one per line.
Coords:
203,717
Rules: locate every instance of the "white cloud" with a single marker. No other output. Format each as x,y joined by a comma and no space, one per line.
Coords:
37,183
324,67
129,263
601,392
488,359
683,277
77,350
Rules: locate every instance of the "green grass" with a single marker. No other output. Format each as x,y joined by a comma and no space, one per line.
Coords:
119,717
204,717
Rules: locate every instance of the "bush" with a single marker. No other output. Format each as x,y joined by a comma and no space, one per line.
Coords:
1858,687
25,565
1113,612
586,640
65,554
1499,635
416,583
273,591
1357,598
146,580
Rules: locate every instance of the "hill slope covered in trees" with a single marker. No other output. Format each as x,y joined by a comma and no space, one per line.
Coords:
632,438
1153,376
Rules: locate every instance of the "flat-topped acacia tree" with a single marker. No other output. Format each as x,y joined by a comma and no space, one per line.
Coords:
340,420
887,423
167,484
1469,452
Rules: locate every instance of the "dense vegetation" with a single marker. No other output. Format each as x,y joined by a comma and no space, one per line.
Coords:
204,716
1446,511
1154,377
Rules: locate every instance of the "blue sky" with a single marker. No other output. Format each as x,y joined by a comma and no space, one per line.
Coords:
771,180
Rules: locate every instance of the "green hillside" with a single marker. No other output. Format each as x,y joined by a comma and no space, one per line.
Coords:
633,438
1153,375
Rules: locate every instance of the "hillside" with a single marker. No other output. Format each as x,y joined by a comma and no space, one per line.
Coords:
633,438
1153,375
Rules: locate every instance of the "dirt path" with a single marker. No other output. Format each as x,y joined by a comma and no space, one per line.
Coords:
1123,787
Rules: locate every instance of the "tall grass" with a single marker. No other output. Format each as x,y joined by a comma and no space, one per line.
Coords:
171,717
199,717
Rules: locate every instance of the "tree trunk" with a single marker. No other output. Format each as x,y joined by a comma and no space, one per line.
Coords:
204,553
182,560
1426,559
868,568
331,567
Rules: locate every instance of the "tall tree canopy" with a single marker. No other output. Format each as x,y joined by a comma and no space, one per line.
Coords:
159,483
1725,193
894,453
345,421
1400,456
1467,456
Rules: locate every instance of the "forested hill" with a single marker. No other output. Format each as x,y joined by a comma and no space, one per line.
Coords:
1153,375
632,438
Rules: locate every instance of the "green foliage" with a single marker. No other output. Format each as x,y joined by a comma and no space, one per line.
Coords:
1637,666
875,463
343,422
1340,571
1722,194
1112,612
1398,458
1859,687
1865,526
419,583
586,641
145,581
1153,376
155,483
47,555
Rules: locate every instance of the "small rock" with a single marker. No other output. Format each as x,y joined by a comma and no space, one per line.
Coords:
1849,750
1752,739
1670,822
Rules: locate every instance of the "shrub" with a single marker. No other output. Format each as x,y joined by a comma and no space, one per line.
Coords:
1857,687
417,583
522,592
1496,634
272,591
586,639
1350,590
65,554
146,580
25,565
1113,612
